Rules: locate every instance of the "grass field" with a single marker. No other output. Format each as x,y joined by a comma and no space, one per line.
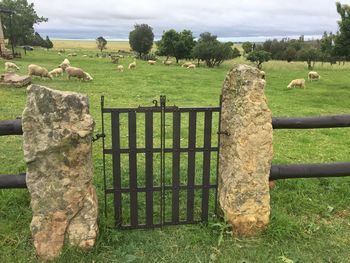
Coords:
310,218
89,45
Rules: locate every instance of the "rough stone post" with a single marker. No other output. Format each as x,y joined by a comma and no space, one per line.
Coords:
245,151
57,130
2,39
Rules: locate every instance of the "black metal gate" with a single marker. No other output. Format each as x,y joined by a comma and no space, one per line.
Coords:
165,172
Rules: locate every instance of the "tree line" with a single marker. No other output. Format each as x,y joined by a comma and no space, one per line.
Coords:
182,45
330,48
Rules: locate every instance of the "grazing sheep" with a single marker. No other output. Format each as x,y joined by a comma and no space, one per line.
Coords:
65,64
297,83
186,64
9,66
78,73
35,70
56,72
132,65
313,75
167,62
191,66
120,68
262,74
151,62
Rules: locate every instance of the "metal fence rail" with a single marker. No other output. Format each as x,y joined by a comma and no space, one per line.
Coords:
11,127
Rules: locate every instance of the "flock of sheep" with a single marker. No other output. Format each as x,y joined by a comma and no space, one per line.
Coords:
313,75
65,66
132,65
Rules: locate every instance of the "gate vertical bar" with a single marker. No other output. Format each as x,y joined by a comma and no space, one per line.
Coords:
206,164
191,164
162,157
149,166
103,155
176,165
116,167
133,168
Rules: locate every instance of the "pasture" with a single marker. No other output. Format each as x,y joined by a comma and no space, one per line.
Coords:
310,218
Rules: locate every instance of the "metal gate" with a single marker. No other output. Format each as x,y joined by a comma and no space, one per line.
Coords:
165,170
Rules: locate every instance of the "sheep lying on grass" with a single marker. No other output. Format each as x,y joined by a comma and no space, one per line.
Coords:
56,72
186,64
167,62
78,73
132,65
297,83
9,66
313,75
120,68
191,66
35,70
65,64
151,62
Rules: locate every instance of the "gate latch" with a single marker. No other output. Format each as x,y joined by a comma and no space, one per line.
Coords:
98,136
224,132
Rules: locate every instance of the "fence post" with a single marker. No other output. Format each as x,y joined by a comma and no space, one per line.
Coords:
57,131
245,151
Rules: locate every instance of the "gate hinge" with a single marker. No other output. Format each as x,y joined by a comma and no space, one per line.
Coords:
98,136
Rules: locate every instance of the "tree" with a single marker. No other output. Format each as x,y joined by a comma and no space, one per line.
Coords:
178,45
141,39
342,38
23,20
236,53
101,43
259,57
247,47
327,47
211,50
290,53
36,40
49,43
310,55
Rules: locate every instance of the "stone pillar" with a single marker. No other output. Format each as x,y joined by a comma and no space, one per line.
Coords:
245,151
2,39
57,130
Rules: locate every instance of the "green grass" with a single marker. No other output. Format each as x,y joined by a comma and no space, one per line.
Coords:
310,218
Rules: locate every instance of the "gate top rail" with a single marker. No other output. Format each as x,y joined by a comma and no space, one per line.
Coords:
166,109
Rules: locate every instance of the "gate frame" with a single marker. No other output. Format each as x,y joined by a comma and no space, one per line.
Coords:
174,188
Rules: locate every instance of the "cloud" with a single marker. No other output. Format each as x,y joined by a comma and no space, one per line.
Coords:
234,18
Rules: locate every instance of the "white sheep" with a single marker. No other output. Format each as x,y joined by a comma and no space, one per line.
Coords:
132,65
151,62
167,62
120,68
313,75
56,72
297,83
191,66
35,70
262,74
78,73
186,64
9,66
65,64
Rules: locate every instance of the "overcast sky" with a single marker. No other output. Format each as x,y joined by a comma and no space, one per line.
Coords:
241,19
